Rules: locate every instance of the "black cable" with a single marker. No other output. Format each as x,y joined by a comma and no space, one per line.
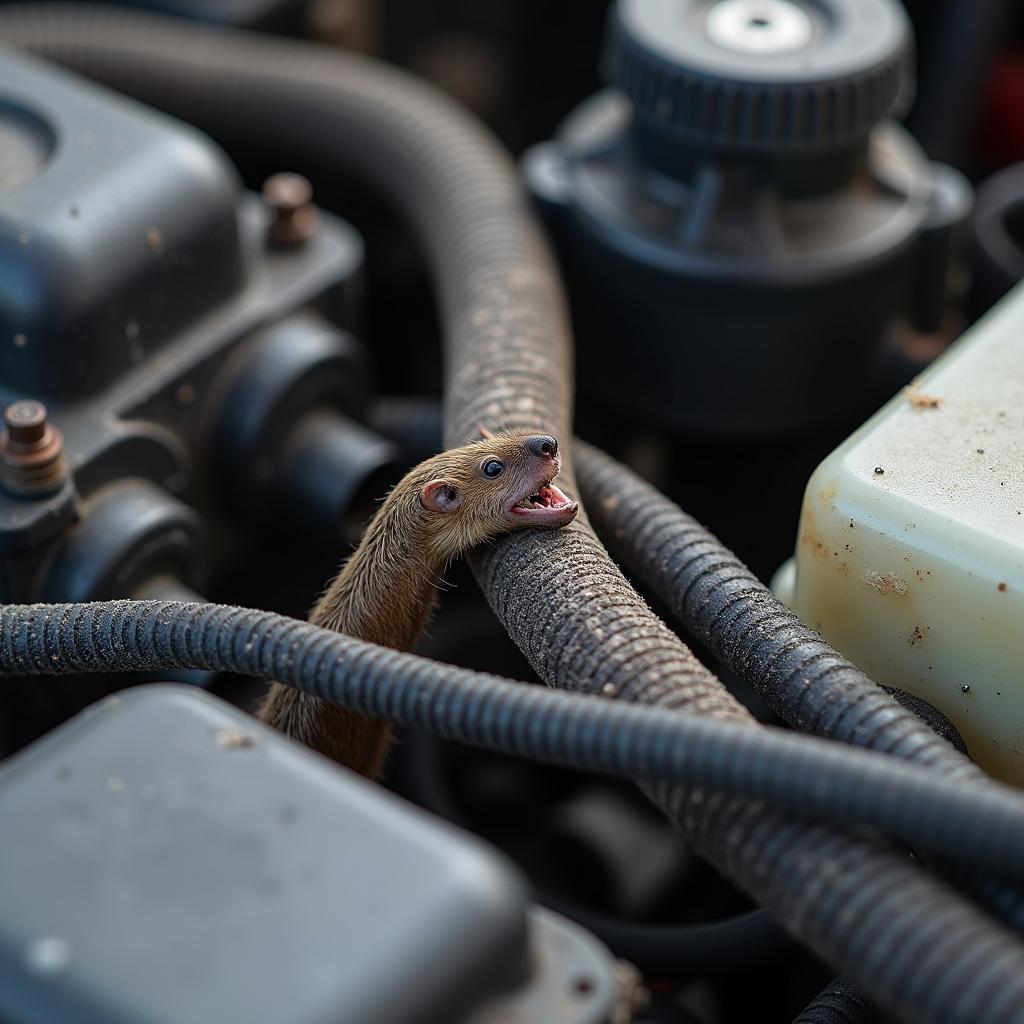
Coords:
980,823
804,680
705,949
743,624
838,1003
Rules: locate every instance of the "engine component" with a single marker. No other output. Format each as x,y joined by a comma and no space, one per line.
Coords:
509,362
285,447
128,319
199,867
910,555
31,452
614,852
131,532
997,238
738,198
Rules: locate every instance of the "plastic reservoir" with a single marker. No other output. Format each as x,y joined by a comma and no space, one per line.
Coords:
910,552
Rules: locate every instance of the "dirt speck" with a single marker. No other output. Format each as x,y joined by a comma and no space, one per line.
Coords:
20,340
916,636
886,583
817,546
965,688
154,239
921,399
612,502
1001,587
233,739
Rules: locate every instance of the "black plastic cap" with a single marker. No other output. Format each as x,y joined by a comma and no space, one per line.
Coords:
762,75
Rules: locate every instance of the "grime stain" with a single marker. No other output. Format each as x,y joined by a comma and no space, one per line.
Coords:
886,583
921,399
233,739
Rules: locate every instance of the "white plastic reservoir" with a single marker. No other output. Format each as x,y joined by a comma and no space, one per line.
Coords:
910,553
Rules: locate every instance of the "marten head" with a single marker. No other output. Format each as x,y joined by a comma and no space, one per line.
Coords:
492,486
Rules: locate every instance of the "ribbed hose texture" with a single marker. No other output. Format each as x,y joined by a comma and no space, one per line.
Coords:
804,680
915,947
720,601
979,823
838,1003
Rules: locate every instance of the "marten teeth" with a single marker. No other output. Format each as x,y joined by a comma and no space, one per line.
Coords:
544,498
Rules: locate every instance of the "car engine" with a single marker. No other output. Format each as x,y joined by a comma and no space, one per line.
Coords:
745,740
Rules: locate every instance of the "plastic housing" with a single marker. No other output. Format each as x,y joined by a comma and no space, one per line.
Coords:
176,861
910,552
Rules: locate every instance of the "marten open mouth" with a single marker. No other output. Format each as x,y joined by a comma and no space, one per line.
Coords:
549,505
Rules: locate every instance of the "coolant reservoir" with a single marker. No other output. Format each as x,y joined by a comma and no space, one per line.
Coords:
910,553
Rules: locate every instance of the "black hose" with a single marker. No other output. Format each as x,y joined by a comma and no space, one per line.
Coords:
704,949
723,604
804,680
838,1003
980,824
574,616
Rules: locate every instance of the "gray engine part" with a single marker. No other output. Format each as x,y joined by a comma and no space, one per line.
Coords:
175,861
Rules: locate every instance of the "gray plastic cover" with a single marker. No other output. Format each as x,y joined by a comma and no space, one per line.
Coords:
167,859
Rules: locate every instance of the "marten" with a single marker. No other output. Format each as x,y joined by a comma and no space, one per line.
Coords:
385,591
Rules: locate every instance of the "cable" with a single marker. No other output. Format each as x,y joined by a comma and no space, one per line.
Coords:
977,823
838,1003
801,677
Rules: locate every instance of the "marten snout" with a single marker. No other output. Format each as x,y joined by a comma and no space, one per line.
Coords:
542,445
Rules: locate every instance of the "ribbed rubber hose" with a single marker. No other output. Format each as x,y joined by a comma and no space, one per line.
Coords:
838,1003
804,680
723,604
568,608
978,823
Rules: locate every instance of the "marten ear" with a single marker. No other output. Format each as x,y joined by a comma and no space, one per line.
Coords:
440,496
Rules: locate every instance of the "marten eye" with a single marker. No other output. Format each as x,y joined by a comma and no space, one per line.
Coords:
492,468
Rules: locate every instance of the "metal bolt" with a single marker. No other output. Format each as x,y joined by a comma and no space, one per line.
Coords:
31,451
25,422
294,218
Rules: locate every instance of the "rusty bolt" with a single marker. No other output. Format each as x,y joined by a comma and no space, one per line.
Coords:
31,451
294,218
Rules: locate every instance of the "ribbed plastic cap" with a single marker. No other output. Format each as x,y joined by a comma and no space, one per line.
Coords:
762,74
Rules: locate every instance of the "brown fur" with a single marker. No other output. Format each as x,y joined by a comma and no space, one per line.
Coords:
385,592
